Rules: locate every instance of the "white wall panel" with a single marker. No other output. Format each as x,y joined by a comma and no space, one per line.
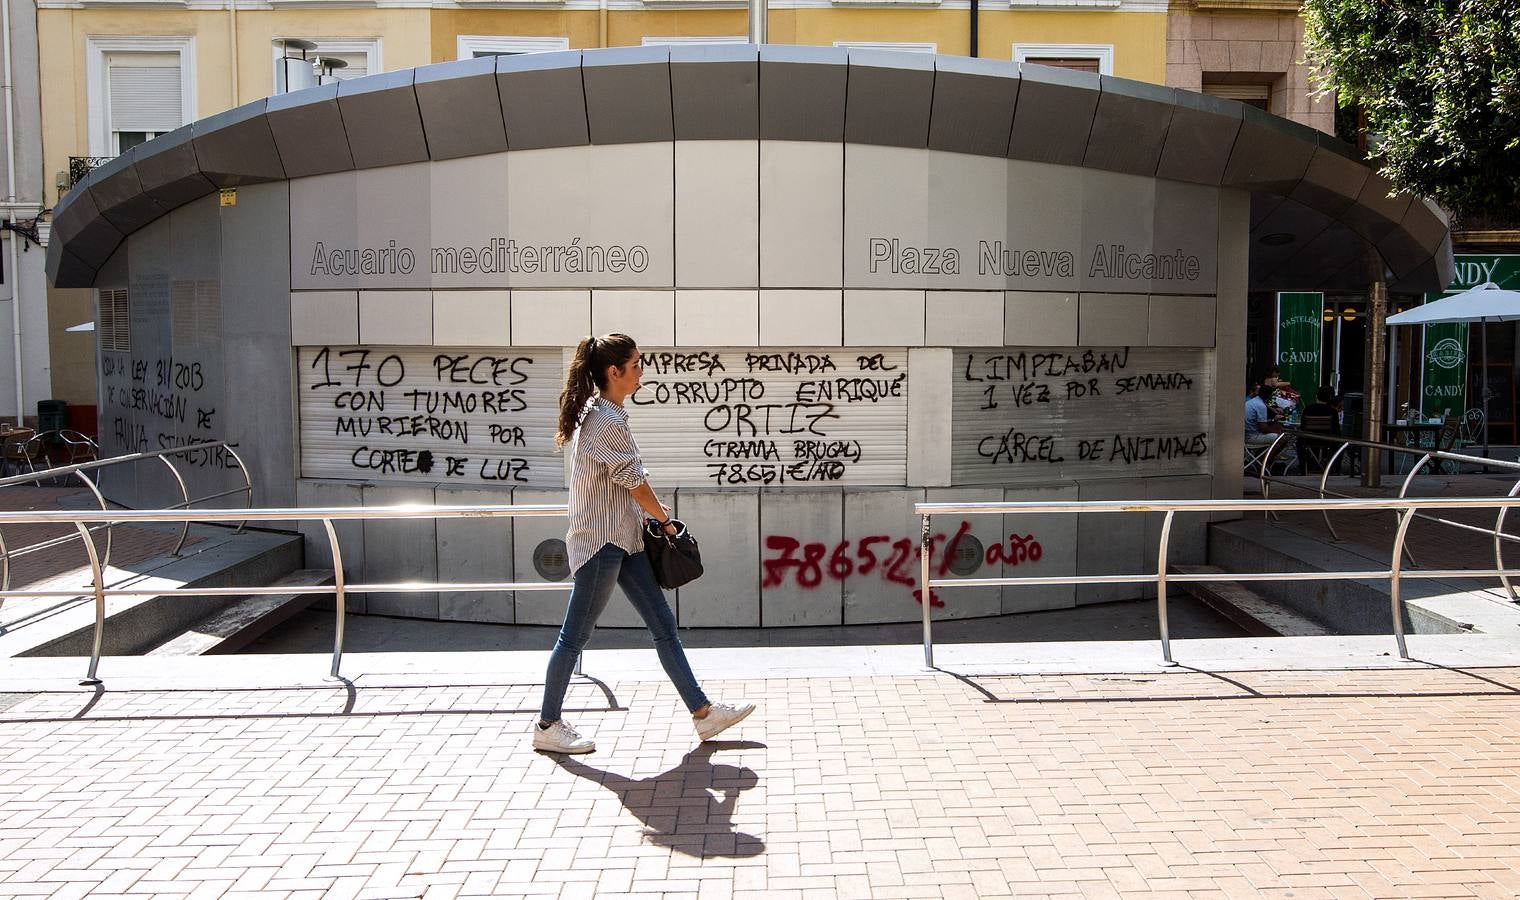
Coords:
472,318
726,524
717,214
799,529
457,416
549,318
801,318
726,318
875,560
649,317
801,214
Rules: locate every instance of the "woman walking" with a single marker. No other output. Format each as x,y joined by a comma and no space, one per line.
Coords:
608,489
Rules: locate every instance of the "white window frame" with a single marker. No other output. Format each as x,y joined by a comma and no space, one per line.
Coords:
370,47
1103,53
905,46
468,45
97,47
696,39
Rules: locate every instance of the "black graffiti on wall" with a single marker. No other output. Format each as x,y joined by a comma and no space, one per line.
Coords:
1028,388
383,402
160,403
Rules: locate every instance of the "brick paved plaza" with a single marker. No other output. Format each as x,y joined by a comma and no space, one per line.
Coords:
1288,783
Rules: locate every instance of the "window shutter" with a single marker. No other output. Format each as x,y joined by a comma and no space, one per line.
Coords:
145,92
113,320
1080,63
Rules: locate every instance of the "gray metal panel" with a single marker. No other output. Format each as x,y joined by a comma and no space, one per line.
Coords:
973,105
715,91
255,295
1426,224
461,109
1198,141
1418,279
235,147
1129,126
802,92
1332,250
169,170
542,100
1054,115
887,98
381,117
1270,153
81,228
1332,181
119,194
628,94
1291,218
308,131
1375,213
69,271
1403,253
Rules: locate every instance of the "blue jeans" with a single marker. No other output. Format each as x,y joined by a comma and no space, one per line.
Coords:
593,588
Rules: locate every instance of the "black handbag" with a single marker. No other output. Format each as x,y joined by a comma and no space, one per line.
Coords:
676,560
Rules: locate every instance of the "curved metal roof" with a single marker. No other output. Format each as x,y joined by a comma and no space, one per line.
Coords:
1319,218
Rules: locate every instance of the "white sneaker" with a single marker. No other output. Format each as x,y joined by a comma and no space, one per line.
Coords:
560,738
719,717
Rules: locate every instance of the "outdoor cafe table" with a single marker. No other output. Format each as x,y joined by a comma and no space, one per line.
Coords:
1420,437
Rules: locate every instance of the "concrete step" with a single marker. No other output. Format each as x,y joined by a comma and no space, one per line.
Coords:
137,624
1355,606
1258,616
238,625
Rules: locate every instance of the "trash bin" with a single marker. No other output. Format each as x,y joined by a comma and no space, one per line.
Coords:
52,415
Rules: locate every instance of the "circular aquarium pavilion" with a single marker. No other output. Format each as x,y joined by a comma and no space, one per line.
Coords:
860,278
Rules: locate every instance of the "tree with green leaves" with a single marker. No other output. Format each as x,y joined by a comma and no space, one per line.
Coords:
1439,81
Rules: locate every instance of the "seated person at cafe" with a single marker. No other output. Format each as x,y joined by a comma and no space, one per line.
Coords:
1320,417
1323,407
1261,428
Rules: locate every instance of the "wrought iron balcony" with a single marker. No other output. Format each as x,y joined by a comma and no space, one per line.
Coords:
80,166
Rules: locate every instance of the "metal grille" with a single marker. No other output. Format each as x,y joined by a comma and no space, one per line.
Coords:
114,321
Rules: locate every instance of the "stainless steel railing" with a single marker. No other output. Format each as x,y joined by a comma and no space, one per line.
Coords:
340,587
1427,456
1405,507
79,470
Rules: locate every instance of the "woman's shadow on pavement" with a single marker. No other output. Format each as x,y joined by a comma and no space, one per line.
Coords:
678,806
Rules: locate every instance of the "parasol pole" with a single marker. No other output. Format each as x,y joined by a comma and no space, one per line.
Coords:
1483,384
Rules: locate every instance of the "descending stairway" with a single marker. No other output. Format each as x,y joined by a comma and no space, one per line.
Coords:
1258,616
247,619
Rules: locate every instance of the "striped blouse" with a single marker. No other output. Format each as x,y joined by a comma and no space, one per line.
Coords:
605,466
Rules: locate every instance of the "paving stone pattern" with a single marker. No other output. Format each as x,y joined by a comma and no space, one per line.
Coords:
1282,784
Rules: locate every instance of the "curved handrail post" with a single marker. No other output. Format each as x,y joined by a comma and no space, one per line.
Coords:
1324,479
104,507
340,599
1499,547
5,580
247,484
184,493
1266,463
1393,588
925,594
97,574
1161,550
1404,493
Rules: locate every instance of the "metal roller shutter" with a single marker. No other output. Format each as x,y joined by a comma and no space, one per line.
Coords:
450,416
145,92
1044,414
716,417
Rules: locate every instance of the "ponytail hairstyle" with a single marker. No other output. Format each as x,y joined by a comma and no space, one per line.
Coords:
587,375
